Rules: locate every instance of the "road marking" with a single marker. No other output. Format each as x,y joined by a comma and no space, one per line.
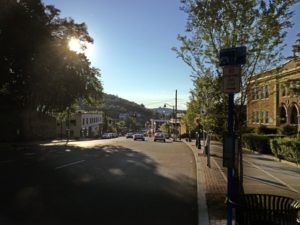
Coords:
266,172
275,178
69,164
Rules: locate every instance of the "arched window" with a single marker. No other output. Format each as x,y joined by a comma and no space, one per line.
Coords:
294,115
282,115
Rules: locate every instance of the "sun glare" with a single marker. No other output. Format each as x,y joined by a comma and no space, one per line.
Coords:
75,45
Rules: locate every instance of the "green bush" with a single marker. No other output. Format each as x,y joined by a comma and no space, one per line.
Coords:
288,130
262,129
258,142
286,148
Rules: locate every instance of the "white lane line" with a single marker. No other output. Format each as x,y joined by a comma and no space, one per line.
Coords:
69,164
266,172
275,178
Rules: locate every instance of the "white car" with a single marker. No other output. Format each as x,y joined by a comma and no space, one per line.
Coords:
129,135
138,136
106,135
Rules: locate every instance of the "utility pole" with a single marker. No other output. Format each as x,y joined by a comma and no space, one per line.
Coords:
176,113
176,105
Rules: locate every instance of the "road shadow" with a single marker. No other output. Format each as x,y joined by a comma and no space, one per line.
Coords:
114,185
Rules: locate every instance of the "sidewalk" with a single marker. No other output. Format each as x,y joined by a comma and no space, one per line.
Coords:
211,185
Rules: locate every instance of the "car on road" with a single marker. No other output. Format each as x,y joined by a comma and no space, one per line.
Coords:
159,137
166,135
106,136
138,136
129,135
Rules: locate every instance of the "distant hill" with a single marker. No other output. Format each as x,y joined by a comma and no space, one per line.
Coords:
113,106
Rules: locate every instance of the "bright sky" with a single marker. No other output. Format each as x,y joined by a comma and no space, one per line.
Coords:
132,47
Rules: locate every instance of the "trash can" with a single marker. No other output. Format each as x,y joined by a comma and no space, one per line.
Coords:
256,209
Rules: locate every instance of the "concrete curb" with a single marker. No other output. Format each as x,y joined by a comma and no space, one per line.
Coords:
203,218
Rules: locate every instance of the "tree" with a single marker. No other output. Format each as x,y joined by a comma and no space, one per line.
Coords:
166,127
130,123
38,70
214,25
259,25
208,96
296,46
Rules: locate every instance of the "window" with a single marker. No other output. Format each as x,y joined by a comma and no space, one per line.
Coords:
261,117
267,91
266,117
283,117
87,121
294,115
253,94
283,91
259,93
73,122
256,117
83,121
256,93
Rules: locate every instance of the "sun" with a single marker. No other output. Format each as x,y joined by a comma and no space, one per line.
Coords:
78,46
75,45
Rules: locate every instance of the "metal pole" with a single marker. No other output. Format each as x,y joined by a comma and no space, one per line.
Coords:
208,151
230,170
176,114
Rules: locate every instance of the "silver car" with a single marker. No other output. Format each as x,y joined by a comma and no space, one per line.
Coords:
138,136
159,137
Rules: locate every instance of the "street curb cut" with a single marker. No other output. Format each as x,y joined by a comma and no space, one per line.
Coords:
201,198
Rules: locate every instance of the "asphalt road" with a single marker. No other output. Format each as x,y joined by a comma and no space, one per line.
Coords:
103,182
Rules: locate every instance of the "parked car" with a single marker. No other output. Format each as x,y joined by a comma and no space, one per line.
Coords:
167,136
159,137
106,135
138,136
129,135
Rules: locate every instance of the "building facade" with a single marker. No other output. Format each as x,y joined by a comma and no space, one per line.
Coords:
81,124
273,97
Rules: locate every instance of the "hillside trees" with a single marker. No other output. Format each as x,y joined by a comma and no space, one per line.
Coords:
38,70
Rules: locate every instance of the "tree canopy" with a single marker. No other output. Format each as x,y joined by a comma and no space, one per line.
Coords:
296,46
38,70
260,25
212,25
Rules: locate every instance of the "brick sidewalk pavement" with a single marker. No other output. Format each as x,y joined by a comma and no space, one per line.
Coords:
213,186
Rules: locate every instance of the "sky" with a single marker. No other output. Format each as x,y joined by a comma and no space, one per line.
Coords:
132,47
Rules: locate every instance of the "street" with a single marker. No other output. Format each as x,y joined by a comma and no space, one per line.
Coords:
109,182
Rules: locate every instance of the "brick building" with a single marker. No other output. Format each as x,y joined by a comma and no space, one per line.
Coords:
81,124
274,97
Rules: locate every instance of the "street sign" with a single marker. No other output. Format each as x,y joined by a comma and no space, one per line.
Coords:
233,56
228,150
231,78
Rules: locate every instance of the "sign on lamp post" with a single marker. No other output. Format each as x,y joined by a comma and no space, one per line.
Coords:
231,79
231,60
